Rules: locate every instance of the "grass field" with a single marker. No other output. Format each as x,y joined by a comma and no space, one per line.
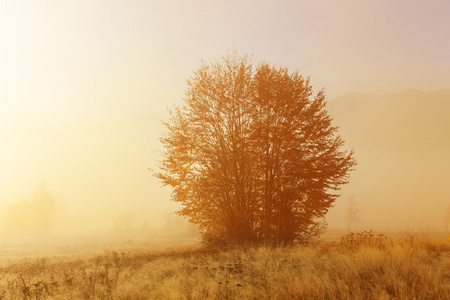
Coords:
358,266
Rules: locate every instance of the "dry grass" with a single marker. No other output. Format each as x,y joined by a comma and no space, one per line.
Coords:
364,266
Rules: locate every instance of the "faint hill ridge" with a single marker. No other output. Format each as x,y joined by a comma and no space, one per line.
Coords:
410,119
443,94
412,91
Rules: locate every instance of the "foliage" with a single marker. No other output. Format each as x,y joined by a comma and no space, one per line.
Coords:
252,155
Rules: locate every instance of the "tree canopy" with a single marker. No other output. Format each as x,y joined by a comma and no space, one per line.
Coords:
252,155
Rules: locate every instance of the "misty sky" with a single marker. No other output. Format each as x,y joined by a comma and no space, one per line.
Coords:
64,60
69,65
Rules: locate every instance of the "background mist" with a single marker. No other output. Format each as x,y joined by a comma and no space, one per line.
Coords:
84,86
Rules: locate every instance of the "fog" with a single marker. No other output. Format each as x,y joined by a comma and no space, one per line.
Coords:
88,179
96,178
84,87
401,143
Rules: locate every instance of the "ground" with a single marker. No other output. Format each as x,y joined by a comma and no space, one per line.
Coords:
357,266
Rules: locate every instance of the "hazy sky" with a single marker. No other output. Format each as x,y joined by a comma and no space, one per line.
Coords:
67,65
113,59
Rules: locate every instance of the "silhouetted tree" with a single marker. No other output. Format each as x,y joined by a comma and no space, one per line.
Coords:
17,218
252,155
123,222
145,225
177,226
351,213
43,206
447,220
27,217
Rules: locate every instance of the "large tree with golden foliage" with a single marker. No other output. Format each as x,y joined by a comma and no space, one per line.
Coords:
252,155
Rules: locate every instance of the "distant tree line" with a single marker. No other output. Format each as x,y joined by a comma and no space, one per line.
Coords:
33,216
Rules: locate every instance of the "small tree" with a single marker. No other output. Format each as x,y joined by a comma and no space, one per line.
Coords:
351,213
252,155
123,222
447,220
33,216
43,206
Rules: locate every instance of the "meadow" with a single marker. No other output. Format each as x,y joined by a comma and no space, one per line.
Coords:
355,266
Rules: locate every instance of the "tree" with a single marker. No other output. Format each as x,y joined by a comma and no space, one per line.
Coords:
123,222
447,220
25,217
252,155
351,213
43,205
